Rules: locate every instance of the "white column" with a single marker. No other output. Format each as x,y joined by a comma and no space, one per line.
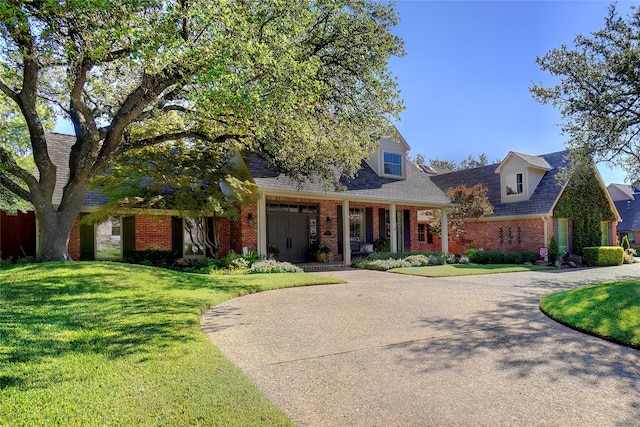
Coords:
346,240
393,223
262,225
546,235
444,234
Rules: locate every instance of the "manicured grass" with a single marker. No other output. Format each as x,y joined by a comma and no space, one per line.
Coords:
610,310
114,344
449,270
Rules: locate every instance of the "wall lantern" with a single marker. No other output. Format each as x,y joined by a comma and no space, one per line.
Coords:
328,223
250,220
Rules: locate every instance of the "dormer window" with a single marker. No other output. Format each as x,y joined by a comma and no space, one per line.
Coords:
514,184
392,164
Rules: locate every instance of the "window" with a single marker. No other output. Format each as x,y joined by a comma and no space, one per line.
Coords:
519,183
631,236
194,237
514,184
392,164
563,236
356,224
421,233
604,233
108,239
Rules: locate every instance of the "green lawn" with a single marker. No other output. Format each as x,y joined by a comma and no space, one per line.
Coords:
610,310
90,343
449,270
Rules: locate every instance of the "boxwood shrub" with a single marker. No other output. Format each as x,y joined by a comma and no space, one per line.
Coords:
495,257
602,255
513,258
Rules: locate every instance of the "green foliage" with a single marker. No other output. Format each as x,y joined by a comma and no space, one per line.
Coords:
584,189
609,310
495,257
97,343
513,258
603,256
469,162
456,270
553,247
382,244
625,243
597,94
468,204
529,256
172,79
151,257
477,256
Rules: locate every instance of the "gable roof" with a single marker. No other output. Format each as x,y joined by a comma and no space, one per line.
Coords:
59,146
541,201
537,162
629,211
620,192
416,189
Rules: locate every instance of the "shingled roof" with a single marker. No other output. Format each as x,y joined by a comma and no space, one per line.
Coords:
541,201
59,146
416,189
629,211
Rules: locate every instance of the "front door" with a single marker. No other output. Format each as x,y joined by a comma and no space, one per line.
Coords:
289,232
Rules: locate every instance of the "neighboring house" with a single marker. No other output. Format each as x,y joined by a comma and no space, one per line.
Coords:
386,199
627,201
525,195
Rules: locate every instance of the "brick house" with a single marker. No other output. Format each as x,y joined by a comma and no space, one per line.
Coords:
627,201
524,192
384,200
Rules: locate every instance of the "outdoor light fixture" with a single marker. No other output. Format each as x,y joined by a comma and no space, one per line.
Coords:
328,222
250,219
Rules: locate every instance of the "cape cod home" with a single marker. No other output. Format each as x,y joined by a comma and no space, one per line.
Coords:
382,201
529,205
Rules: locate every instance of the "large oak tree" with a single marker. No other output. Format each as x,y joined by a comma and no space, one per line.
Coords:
303,82
599,93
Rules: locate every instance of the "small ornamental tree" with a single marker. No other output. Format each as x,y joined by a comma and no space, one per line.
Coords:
625,243
469,205
553,248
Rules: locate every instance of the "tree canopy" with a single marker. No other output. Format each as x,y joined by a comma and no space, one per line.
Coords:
599,93
468,163
305,83
469,204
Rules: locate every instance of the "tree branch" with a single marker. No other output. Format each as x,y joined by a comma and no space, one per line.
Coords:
10,185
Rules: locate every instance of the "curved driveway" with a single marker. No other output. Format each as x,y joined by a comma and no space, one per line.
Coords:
393,350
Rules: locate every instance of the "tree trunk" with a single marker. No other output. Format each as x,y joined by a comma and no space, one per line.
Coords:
55,225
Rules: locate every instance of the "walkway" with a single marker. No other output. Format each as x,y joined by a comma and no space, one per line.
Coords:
388,349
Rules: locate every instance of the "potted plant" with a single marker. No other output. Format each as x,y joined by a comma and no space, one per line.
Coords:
272,251
553,249
320,252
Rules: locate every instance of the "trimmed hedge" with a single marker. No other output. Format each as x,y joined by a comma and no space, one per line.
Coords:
602,255
513,258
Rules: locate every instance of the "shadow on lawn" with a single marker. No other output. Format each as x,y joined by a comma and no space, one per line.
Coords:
72,312
524,343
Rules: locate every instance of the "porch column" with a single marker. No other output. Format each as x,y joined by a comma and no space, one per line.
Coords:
262,225
393,223
444,234
346,238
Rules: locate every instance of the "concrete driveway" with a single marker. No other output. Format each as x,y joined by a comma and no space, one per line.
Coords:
393,350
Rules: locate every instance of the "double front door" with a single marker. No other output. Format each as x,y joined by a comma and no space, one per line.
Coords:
289,232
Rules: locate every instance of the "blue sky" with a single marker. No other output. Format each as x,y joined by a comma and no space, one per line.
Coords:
469,65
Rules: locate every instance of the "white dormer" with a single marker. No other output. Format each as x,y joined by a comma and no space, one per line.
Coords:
389,159
520,174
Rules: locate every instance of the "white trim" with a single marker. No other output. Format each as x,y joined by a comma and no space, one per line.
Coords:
393,227
346,238
444,231
262,224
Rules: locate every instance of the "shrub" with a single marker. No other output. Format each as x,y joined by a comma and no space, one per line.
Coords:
625,243
553,248
628,258
495,257
528,256
464,260
273,266
602,255
478,257
513,258
152,257
418,260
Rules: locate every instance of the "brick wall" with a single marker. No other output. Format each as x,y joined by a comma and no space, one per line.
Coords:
74,241
515,235
153,232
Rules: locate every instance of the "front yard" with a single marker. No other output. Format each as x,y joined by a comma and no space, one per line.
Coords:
90,343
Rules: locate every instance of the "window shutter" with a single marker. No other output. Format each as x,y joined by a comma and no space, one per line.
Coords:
87,241
128,234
